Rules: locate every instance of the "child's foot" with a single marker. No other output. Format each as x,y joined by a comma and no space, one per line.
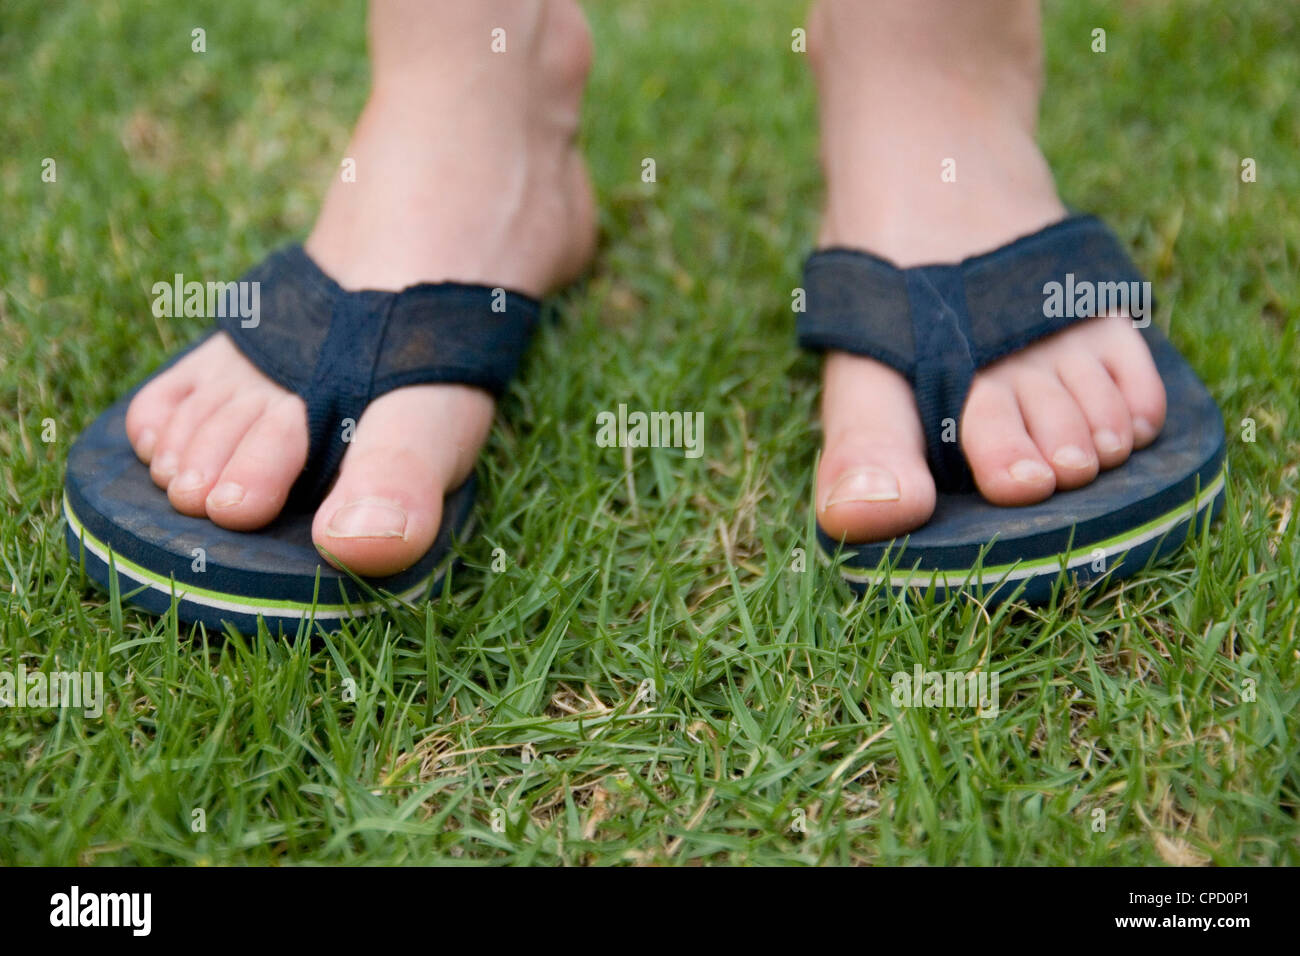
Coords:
904,87
467,170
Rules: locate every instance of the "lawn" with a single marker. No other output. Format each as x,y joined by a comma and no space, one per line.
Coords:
655,674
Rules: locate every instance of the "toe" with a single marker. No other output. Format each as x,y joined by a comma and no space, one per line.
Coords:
386,506
189,415
254,485
383,513
1099,398
873,482
1128,360
1057,425
152,408
1009,470
210,449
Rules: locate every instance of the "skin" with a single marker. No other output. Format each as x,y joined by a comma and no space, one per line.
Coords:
467,170
903,87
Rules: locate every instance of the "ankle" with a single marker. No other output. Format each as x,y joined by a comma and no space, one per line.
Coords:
526,58
466,162
928,115
980,52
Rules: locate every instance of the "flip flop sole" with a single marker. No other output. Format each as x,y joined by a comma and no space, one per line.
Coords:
1129,517
120,523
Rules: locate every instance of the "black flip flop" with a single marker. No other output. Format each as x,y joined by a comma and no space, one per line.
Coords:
966,316
339,350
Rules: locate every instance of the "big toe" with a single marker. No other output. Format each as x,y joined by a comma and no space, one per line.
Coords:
873,482
385,509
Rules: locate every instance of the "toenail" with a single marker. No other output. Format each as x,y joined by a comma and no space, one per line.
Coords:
226,495
1143,429
148,438
1071,456
166,464
865,484
368,518
188,481
1028,470
1107,441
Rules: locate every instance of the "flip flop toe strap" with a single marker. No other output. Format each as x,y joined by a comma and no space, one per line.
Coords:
339,350
943,368
964,316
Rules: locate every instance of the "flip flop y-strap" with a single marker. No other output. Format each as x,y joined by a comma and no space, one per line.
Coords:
340,350
966,315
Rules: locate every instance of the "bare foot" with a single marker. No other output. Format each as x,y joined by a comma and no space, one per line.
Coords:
467,170
903,87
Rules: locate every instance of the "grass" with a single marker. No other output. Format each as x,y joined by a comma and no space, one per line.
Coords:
509,720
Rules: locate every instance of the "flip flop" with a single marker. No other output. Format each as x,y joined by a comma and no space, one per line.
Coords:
966,316
339,350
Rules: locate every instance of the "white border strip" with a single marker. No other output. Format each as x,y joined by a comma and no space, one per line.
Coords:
255,610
